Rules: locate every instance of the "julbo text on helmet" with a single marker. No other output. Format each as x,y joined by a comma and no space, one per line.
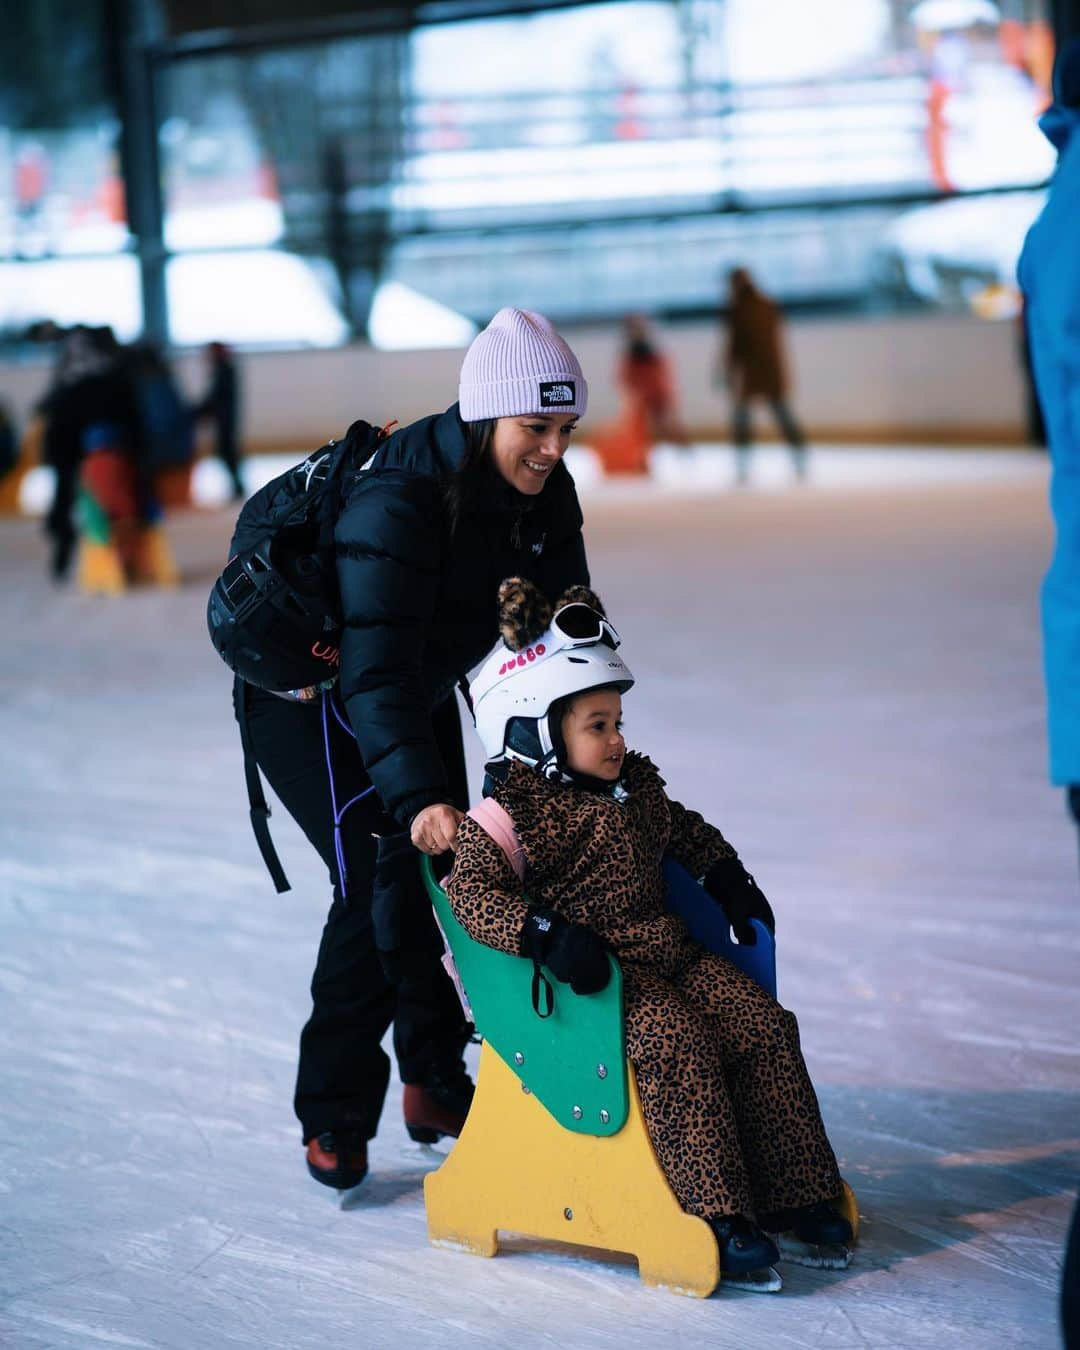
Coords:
513,691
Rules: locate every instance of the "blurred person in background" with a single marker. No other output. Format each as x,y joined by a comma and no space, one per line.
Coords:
168,425
31,183
650,411
9,441
91,401
220,406
1049,274
753,366
647,375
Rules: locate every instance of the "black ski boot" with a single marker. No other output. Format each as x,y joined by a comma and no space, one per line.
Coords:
746,1254
438,1106
338,1158
812,1235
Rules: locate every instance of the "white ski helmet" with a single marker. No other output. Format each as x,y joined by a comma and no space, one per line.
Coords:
576,652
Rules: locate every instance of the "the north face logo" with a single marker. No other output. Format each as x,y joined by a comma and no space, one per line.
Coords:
557,395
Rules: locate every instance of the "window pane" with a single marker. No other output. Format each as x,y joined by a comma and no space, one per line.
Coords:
605,158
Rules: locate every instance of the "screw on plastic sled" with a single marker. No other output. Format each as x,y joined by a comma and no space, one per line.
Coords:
555,1144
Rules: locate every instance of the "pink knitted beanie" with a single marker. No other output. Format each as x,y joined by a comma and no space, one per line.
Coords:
519,364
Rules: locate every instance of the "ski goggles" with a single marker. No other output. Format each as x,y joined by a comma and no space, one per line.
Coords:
580,625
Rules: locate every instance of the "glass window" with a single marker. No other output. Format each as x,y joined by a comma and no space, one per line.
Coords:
587,161
63,217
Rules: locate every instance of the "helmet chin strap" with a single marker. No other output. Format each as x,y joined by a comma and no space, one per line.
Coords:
606,787
544,754
551,763
549,766
548,761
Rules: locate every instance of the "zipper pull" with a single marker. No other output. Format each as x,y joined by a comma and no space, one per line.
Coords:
515,531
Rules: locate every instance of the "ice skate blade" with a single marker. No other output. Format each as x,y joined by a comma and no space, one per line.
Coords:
349,1198
764,1281
341,1196
812,1254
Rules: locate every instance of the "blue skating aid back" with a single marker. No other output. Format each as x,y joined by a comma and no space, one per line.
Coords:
709,926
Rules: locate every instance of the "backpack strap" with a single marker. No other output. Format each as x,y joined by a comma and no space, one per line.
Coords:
259,809
496,821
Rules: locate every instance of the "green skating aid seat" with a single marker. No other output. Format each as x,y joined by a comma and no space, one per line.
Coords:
574,1061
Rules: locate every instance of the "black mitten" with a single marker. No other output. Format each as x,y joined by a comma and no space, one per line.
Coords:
739,896
573,953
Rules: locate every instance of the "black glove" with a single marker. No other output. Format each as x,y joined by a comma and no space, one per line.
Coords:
740,897
573,953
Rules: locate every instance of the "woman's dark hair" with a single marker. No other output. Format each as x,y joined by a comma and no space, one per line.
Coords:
462,487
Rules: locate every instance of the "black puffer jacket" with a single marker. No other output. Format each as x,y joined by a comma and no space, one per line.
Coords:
419,600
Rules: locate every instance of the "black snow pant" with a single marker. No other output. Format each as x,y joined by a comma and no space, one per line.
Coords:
343,1071
792,432
227,449
58,524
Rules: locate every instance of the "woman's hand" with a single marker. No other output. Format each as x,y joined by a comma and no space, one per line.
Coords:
434,829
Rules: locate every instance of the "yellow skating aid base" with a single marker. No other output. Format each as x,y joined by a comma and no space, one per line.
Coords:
516,1169
10,487
155,564
100,571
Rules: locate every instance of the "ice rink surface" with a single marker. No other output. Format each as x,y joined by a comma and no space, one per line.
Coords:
844,677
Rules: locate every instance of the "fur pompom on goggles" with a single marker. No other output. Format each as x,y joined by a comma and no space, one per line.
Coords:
525,613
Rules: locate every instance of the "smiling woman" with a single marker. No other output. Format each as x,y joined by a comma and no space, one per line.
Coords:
526,449
427,528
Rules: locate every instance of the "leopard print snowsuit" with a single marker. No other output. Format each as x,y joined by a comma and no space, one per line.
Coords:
727,1099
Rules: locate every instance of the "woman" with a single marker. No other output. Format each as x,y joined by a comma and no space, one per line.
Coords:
446,508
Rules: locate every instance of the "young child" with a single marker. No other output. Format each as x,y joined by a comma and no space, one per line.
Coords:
726,1096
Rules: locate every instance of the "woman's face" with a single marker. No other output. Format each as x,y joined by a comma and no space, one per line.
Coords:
526,449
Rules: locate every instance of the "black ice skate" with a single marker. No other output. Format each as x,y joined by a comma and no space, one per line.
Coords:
338,1158
812,1235
746,1255
439,1106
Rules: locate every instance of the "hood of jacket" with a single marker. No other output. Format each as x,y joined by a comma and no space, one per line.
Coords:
1058,124
434,445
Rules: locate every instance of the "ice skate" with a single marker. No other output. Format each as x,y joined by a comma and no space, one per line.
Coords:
746,1255
813,1235
437,1107
764,1281
338,1159
819,1255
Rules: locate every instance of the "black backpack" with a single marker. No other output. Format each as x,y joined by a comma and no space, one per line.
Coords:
274,613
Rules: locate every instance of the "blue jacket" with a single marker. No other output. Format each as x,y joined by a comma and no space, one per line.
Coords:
1049,274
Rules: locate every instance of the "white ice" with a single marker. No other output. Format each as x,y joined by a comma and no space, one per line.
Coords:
844,677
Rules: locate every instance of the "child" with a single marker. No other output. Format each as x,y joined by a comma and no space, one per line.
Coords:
727,1100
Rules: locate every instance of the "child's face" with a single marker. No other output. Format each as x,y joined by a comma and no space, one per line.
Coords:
592,733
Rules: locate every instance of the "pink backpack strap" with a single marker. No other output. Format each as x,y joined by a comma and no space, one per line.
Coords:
496,821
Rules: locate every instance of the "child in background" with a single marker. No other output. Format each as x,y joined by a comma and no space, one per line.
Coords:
725,1093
